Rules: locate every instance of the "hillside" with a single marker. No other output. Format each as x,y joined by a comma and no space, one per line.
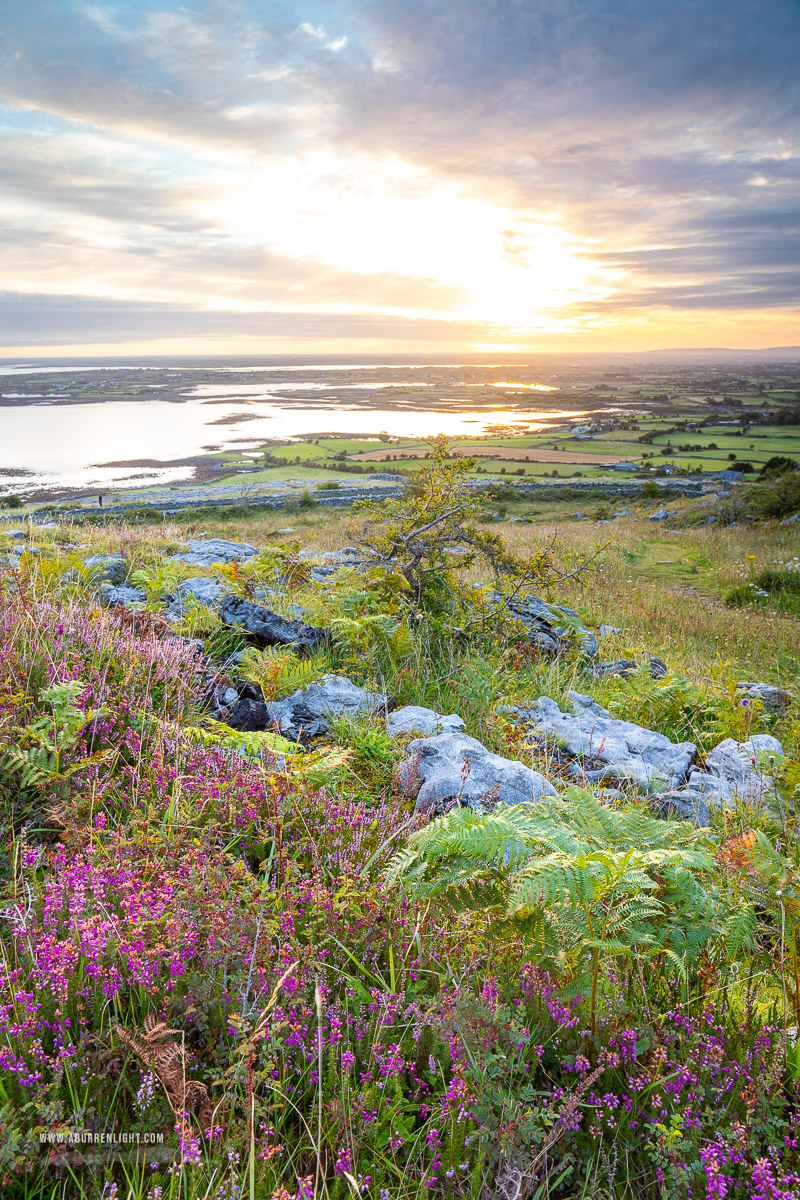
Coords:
446,847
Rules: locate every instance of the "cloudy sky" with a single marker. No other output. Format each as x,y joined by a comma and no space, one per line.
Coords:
411,175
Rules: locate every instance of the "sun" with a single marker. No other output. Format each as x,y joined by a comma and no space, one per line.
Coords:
386,219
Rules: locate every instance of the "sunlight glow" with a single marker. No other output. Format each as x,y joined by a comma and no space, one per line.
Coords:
383,216
532,387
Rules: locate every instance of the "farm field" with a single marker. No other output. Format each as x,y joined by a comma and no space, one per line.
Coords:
712,447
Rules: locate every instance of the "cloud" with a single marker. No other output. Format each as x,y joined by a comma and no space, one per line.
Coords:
43,319
659,140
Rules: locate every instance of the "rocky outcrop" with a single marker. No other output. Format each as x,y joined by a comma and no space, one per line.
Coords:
107,568
606,748
120,596
307,713
329,562
452,768
683,804
624,667
608,631
269,628
547,629
204,552
737,771
603,749
773,698
421,721
202,589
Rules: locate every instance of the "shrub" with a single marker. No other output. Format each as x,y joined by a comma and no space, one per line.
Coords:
778,465
415,534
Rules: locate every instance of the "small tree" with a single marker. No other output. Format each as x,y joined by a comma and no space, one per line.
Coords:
416,534
778,465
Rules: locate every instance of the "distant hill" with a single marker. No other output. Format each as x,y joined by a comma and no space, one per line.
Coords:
718,353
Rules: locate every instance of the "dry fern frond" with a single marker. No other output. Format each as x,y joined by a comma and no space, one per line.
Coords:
167,1061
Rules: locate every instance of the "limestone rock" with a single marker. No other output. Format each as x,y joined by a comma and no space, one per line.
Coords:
607,630
107,568
414,719
247,715
120,596
546,627
626,666
203,589
607,748
269,628
773,698
308,711
204,552
729,772
685,804
452,767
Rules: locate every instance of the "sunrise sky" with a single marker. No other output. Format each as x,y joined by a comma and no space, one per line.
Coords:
420,175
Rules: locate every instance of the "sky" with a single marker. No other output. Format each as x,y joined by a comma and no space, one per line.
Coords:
413,176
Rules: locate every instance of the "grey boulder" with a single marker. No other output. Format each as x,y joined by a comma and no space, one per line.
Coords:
120,595
607,748
546,627
773,698
204,552
624,667
684,804
661,514
13,533
201,588
107,568
269,628
737,771
414,719
308,711
246,715
330,561
453,768
607,630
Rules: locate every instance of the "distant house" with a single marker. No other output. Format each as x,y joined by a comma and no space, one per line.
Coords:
627,466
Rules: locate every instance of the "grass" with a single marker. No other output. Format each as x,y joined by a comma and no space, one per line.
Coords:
341,1029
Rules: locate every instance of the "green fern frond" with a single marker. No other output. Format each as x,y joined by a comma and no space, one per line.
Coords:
279,672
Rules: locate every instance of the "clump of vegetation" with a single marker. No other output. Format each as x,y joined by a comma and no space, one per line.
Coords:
777,588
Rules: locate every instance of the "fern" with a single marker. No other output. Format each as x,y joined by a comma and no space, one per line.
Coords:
160,581
620,881
51,736
316,767
373,632
216,733
279,672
